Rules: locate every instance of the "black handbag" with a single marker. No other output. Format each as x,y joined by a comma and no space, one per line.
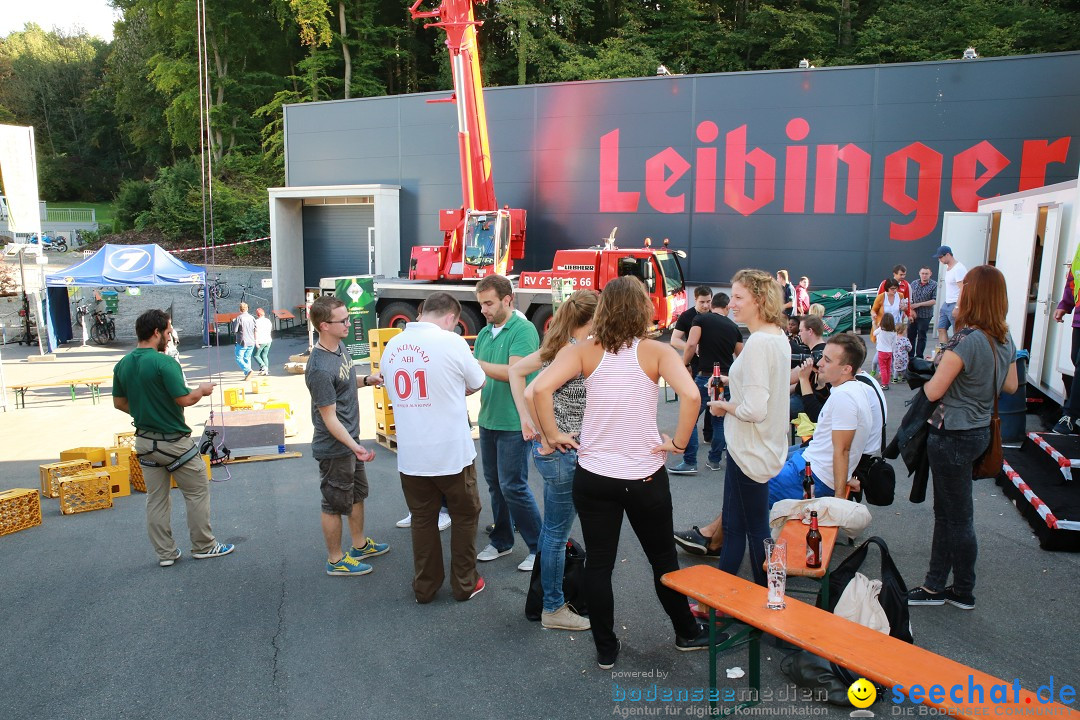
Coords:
573,583
876,475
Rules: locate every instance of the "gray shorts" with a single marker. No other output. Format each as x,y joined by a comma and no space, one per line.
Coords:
343,483
945,319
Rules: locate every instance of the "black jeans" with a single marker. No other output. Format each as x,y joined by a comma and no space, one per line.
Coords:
916,333
601,502
954,547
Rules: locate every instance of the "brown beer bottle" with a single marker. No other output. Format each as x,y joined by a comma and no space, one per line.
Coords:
813,543
808,483
717,386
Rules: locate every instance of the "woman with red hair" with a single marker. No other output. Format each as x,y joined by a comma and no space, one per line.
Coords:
980,352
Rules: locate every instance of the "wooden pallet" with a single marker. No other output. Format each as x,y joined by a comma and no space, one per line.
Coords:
261,458
387,441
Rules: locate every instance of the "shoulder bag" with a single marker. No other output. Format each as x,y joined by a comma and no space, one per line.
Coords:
988,465
876,475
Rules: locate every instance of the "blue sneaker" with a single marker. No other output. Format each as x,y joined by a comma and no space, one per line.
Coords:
683,468
370,548
218,550
347,565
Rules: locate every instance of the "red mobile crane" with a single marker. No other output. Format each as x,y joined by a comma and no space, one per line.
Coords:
479,238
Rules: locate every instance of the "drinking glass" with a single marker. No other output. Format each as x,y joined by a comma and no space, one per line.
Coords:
776,564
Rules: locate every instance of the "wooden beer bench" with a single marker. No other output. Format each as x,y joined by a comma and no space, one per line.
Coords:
285,319
93,383
874,655
225,319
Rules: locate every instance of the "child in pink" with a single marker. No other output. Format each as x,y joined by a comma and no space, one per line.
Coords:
886,343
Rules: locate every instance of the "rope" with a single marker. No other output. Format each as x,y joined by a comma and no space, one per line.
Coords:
241,242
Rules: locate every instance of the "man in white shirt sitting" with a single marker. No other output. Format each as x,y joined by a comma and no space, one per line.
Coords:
848,428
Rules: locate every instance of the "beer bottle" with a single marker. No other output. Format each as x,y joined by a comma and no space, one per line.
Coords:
808,483
813,543
717,385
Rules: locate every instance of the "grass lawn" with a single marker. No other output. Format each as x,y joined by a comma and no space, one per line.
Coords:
103,211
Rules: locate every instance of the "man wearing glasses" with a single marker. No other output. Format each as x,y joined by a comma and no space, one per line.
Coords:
335,412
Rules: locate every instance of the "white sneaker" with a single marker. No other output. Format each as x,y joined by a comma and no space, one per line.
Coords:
527,564
405,522
490,553
444,521
564,619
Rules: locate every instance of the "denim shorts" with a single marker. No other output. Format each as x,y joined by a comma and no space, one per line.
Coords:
343,483
945,319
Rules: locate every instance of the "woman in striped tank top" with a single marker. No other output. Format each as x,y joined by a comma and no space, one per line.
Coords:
755,419
621,453
572,324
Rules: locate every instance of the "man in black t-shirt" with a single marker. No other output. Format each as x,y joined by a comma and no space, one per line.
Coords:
713,338
702,302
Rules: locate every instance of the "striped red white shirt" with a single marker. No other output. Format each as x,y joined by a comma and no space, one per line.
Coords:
619,428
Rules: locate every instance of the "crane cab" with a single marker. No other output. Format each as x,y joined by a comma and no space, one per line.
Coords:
486,243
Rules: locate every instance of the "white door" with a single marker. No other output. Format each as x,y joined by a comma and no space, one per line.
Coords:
968,234
1045,302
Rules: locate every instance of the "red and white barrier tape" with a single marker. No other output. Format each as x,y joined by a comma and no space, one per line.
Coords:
1030,496
1064,463
218,247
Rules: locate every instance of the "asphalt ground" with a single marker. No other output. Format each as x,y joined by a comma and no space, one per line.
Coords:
93,628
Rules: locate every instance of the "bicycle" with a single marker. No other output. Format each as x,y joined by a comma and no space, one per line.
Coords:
218,287
104,329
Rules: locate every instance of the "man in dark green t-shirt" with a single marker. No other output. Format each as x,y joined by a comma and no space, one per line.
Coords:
149,385
506,338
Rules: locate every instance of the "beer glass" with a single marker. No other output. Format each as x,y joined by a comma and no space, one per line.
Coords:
776,570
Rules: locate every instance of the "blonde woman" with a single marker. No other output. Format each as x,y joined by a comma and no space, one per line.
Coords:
756,417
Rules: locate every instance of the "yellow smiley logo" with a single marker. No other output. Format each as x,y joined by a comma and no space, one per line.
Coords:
862,693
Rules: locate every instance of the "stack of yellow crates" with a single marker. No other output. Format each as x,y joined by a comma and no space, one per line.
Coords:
385,430
20,508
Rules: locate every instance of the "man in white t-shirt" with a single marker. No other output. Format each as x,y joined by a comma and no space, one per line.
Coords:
848,427
428,370
955,271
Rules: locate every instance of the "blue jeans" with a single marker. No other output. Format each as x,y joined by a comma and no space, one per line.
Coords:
506,470
243,357
745,517
916,333
954,546
557,469
787,485
719,443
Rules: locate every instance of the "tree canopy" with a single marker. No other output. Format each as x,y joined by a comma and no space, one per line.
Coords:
120,120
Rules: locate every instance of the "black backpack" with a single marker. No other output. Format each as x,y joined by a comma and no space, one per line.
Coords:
808,670
573,583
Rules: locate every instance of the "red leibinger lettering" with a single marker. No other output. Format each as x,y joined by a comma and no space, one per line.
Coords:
911,184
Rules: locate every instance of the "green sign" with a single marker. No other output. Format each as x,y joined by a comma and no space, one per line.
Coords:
358,294
561,288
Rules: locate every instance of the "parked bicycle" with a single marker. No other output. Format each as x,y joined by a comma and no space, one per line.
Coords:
82,309
218,287
104,329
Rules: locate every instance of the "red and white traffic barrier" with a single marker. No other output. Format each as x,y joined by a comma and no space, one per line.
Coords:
1064,464
218,247
1030,496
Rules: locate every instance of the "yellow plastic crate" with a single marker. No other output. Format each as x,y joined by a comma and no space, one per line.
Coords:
259,386
386,428
382,400
279,405
121,456
20,508
138,483
377,339
234,396
384,418
96,455
89,490
124,439
53,473
119,480
206,459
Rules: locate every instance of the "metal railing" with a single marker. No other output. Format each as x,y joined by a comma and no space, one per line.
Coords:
71,215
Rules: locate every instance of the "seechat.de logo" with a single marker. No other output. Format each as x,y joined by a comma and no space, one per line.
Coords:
129,261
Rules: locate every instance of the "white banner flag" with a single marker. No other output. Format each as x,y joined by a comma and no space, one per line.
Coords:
18,172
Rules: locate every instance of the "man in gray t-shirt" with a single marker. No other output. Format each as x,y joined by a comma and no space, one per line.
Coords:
244,332
335,412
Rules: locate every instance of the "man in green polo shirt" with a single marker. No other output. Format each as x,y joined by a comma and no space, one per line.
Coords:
149,386
506,338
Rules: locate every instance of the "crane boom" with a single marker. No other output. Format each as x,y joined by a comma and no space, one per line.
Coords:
479,237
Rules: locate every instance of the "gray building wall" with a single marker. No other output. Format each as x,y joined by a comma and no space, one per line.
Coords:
546,141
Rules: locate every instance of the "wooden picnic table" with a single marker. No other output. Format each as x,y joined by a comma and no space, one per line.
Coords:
94,383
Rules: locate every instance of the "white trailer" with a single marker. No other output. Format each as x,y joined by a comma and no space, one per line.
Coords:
1031,236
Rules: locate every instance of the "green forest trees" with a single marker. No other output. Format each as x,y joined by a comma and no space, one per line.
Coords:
120,120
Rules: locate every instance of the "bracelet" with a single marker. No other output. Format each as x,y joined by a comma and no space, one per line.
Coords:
676,446
366,379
